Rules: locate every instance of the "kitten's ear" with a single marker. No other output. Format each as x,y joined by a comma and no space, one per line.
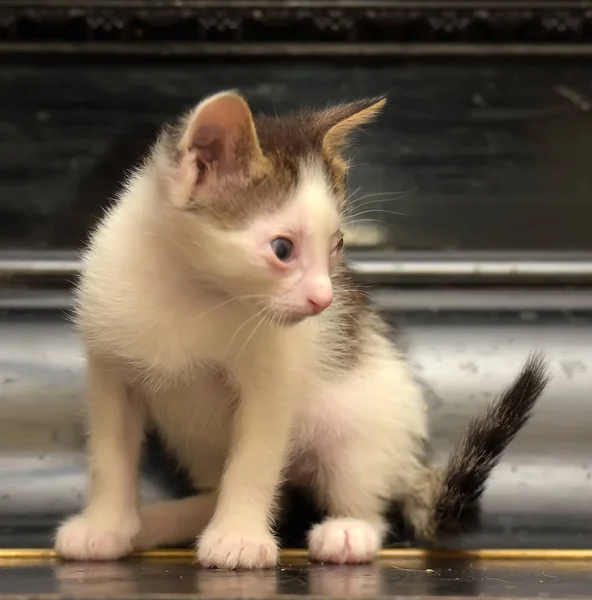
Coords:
339,122
218,141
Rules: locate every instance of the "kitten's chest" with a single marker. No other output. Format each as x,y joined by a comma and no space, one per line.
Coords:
195,422
171,337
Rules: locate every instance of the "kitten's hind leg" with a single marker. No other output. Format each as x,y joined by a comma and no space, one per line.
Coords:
174,522
345,540
106,527
368,452
355,527
354,530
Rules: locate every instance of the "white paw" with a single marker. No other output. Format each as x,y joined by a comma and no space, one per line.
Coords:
222,548
341,541
86,538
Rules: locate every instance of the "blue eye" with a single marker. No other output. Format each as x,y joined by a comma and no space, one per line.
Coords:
283,248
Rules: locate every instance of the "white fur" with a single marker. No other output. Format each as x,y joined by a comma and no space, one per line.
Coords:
152,327
344,541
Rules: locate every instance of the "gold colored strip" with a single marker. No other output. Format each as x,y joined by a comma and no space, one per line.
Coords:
387,554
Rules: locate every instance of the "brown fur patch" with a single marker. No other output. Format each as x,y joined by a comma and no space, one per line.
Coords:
285,143
354,316
345,119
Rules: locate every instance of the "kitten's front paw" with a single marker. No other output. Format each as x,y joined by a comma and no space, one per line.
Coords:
341,541
222,548
85,538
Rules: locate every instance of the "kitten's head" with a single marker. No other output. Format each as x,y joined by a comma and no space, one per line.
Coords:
258,201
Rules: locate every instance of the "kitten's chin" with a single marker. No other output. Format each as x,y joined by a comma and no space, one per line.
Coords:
288,319
294,320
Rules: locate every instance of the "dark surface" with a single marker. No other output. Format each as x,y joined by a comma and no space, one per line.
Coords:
91,25
406,578
475,155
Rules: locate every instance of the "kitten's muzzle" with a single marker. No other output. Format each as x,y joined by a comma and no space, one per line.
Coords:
318,305
319,295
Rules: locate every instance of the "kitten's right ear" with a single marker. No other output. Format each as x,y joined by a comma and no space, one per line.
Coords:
218,141
341,121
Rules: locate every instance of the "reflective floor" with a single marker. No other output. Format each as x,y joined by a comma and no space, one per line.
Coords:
151,579
538,497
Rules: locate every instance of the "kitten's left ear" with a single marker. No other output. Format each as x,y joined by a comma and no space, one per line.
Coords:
218,146
339,122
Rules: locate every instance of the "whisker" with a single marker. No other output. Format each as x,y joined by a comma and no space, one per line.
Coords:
354,320
239,329
379,210
368,203
380,195
280,320
261,320
354,223
226,302
319,322
352,194
380,198
370,195
361,292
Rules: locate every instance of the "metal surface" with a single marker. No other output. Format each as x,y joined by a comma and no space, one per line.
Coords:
540,496
369,267
393,579
468,299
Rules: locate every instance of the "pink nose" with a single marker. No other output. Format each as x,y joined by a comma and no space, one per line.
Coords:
319,302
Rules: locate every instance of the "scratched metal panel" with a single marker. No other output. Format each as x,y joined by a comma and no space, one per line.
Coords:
540,495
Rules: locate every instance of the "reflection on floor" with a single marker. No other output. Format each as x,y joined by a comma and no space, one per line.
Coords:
389,577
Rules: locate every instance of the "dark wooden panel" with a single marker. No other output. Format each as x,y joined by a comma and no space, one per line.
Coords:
328,21
475,155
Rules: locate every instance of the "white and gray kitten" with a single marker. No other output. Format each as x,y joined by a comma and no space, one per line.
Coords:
215,304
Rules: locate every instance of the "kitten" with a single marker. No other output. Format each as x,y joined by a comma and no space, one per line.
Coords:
215,304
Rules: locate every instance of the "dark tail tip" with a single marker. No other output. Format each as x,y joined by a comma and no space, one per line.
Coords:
464,478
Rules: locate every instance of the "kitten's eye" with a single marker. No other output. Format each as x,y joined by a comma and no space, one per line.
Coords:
283,248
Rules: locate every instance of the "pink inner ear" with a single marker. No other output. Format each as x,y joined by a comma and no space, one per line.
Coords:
208,140
221,130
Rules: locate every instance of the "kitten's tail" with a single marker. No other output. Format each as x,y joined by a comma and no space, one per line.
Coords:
446,501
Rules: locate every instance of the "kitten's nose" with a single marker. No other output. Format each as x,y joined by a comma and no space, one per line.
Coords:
317,306
320,298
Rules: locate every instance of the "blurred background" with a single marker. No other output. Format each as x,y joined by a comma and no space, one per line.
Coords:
471,195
